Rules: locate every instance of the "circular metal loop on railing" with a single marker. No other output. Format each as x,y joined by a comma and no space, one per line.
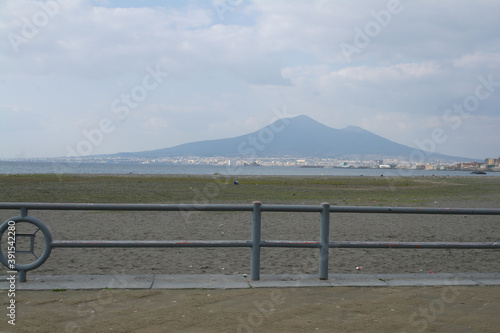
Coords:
48,243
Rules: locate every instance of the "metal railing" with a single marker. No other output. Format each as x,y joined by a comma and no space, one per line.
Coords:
324,244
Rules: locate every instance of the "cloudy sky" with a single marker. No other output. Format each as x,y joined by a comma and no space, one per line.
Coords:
91,77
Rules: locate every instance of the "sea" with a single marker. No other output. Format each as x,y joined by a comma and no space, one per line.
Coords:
39,167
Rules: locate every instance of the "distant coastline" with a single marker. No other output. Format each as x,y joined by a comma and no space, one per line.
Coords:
32,167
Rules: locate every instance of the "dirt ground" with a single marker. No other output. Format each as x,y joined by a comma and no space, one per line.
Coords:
321,309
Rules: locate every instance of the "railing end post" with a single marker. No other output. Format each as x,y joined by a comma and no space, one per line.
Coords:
22,276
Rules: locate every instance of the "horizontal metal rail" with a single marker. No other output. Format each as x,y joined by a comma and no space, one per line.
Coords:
236,207
124,207
416,245
416,210
256,243
293,244
150,243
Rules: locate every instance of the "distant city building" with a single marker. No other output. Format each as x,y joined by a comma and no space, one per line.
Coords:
470,165
492,161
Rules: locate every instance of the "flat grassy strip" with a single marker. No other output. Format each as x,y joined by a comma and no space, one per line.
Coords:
361,190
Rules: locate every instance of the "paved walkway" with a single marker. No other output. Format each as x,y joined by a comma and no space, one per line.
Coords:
211,281
398,303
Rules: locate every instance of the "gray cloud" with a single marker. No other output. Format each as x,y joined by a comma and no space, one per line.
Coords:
229,72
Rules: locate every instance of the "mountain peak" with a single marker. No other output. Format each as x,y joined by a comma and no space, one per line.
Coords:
296,137
305,123
302,117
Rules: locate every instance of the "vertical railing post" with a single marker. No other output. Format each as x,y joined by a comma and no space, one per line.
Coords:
22,273
324,238
255,260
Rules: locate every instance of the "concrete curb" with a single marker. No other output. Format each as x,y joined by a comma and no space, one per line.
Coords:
213,281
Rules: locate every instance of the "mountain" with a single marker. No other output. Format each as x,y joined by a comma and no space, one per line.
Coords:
300,136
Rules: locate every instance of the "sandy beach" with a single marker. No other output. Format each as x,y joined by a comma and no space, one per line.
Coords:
361,309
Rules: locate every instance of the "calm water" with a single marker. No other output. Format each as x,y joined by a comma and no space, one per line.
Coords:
9,167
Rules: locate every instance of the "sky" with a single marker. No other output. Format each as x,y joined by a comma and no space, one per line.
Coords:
80,77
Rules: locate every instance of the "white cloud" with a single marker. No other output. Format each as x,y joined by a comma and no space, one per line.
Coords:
226,75
156,123
478,60
397,72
